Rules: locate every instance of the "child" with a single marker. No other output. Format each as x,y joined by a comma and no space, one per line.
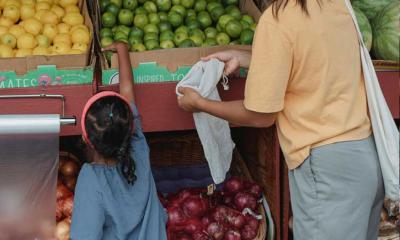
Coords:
115,196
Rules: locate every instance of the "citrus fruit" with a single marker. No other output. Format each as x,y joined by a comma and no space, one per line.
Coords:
105,32
117,2
108,19
166,44
163,5
23,52
150,7
73,18
216,13
26,12
210,42
121,36
140,10
62,37
244,24
6,51
42,6
4,30
179,9
63,28
197,32
175,19
124,29
164,26
223,20
247,18
154,18
193,24
223,39
191,13
106,41
136,32
212,5
151,28
139,47
187,3
12,2
26,40
134,40
103,5
148,36
11,12
210,32
198,40
61,48
151,44
50,17
189,19
33,26
50,31
80,36
234,12
180,37
16,30
125,17
112,8
9,40
64,3
80,46
163,16
59,11
166,35
71,8
246,37
130,4
200,5
176,2
41,51
6,22
233,28
140,21
182,29
204,19
187,43
43,41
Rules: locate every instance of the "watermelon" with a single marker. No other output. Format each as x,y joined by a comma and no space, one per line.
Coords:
365,27
370,7
386,33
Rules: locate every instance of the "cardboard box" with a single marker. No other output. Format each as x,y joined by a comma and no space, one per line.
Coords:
33,71
168,64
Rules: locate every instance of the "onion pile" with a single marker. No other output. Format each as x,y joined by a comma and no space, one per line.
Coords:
193,215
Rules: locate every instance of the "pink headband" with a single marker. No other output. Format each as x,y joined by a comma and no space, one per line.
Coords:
89,103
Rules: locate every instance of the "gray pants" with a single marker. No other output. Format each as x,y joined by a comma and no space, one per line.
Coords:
337,193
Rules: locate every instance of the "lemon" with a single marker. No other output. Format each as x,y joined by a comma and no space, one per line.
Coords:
63,28
50,31
3,30
80,36
32,25
75,51
29,2
41,51
6,22
16,30
42,6
62,37
48,1
73,18
71,8
12,2
26,40
82,26
49,17
43,41
6,51
80,46
27,11
23,52
11,12
9,40
65,3
61,48
39,14
59,11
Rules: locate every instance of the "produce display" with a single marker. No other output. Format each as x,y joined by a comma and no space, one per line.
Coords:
379,20
42,27
67,175
162,24
230,214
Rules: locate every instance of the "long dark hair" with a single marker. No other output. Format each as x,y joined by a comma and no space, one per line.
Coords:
109,128
277,5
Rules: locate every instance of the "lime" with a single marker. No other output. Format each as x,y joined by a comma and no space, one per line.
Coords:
211,32
209,42
122,28
164,26
200,5
151,44
187,3
140,21
219,28
197,32
246,37
154,18
106,32
234,12
182,29
125,17
175,18
189,19
151,28
244,24
223,20
138,47
114,29
212,5
112,8
235,42
163,5
130,4
142,1
198,40
247,18
179,9
167,44
187,43
233,28
134,40
163,16
180,37
117,2
136,32
223,39
104,4
108,19
176,2
230,2
253,27
204,19
191,13
193,24
150,7
217,12
166,35
106,41
120,36
140,10
149,36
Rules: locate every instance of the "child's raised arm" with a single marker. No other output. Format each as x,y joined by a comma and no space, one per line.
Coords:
125,69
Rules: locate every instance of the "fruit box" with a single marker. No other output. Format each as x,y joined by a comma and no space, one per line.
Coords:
168,64
34,71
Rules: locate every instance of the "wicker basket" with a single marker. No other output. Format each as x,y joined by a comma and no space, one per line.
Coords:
395,236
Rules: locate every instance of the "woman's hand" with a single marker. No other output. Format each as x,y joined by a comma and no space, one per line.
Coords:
190,99
233,60
116,47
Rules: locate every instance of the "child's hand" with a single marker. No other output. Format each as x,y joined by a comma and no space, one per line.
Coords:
116,47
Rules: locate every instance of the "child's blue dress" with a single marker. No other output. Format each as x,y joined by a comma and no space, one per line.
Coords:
107,207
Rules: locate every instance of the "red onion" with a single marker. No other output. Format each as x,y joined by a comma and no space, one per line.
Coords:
183,236
69,168
252,222
232,235
59,210
200,236
237,220
62,191
193,225
216,230
248,233
228,201
179,198
245,200
175,216
234,185
255,189
67,206
195,206
70,183
220,213
206,220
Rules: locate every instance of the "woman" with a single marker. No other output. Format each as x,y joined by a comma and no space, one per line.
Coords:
305,75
